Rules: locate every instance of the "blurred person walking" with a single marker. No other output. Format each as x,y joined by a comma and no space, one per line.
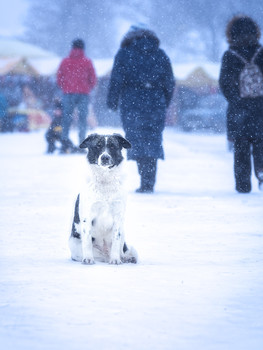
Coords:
241,81
142,85
76,77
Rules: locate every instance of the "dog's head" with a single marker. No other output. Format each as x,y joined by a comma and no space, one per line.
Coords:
105,150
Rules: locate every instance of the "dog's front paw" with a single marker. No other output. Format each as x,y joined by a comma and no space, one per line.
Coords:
115,261
88,261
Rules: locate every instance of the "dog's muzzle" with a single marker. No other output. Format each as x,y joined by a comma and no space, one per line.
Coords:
105,160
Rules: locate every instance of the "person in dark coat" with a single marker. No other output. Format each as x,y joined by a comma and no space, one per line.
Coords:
142,85
244,114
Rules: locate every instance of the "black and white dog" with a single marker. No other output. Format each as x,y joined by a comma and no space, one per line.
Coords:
97,229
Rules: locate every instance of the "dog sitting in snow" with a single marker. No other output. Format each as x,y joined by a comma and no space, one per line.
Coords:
97,230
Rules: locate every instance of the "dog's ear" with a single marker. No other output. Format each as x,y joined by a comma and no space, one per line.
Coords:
87,142
123,142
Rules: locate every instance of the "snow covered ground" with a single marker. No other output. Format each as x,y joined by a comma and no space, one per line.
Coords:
198,284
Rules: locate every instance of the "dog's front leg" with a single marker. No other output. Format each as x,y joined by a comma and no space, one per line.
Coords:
86,240
115,256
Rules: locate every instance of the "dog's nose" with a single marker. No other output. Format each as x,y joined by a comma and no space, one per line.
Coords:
105,159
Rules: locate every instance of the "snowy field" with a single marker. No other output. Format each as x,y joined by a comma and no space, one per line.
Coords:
199,281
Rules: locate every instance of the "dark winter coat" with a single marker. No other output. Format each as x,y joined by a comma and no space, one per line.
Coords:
142,85
244,115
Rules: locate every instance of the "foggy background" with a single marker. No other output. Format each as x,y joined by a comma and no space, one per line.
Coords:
188,30
191,32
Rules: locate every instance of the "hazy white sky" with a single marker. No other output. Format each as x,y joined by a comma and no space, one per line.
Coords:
12,13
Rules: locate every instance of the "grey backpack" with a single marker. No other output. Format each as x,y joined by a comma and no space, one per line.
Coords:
251,77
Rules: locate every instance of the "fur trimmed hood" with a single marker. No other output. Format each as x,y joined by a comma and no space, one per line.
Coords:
242,31
135,35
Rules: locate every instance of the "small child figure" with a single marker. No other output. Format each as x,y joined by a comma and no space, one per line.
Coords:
55,130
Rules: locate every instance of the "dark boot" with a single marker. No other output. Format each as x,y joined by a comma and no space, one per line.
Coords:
243,187
258,161
242,165
147,169
51,148
67,147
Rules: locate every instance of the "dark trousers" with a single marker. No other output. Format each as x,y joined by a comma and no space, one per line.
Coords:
51,137
243,149
70,101
147,168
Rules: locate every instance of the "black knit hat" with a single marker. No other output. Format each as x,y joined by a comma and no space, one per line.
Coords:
78,44
242,29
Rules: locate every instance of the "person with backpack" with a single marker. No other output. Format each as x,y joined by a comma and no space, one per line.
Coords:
241,82
142,85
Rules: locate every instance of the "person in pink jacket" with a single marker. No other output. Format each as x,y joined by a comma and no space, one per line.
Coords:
76,77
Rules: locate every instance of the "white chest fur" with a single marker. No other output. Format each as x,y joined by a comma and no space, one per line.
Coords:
102,206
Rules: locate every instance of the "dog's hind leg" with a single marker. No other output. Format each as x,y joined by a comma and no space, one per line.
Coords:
129,255
86,239
75,248
85,225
